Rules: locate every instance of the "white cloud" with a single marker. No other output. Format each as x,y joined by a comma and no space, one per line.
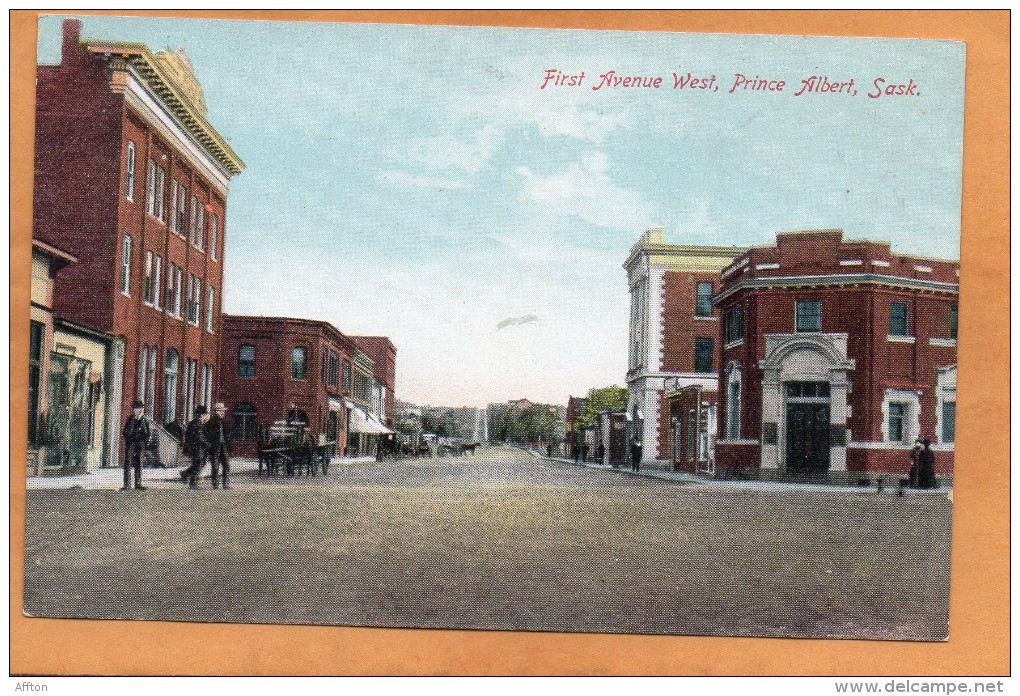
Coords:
397,176
586,191
444,152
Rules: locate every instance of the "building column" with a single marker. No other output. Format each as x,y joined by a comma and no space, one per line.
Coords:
115,383
773,421
839,414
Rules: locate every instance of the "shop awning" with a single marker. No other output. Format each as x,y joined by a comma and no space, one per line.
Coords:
362,422
335,405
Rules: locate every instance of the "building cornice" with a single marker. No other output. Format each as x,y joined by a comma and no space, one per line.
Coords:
711,257
190,115
836,279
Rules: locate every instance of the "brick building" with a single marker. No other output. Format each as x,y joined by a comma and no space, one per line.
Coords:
303,370
673,338
837,355
132,180
384,368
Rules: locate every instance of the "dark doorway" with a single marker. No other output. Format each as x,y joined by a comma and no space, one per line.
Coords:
807,437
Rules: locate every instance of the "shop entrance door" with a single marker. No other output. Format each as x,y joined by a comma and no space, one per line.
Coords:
807,438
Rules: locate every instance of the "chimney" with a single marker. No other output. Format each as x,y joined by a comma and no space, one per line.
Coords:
72,37
654,235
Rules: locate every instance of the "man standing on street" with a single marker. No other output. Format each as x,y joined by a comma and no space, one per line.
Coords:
217,432
196,446
635,455
136,437
926,467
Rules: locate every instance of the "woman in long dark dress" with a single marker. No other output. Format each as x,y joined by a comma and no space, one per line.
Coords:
926,467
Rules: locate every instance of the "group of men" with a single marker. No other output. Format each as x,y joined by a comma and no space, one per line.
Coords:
207,438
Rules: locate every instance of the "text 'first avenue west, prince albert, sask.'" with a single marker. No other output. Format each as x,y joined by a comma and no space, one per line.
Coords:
815,84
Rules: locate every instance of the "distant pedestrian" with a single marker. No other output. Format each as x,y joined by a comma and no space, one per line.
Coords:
217,433
196,446
926,466
136,437
635,455
915,451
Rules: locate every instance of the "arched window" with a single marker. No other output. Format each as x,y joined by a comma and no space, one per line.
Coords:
170,367
246,361
296,416
298,362
245,419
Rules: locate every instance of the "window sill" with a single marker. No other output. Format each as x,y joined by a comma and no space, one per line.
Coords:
943,342
901,339
706,317
734,344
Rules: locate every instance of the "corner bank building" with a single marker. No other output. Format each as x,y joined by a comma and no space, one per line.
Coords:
836,356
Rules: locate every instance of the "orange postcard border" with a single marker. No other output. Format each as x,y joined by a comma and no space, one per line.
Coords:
979,614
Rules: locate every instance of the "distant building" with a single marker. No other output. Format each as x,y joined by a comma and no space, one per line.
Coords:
302,371
673,343
131,178
384,361
572,427
837,355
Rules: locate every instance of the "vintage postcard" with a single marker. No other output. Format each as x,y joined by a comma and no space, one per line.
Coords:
493,328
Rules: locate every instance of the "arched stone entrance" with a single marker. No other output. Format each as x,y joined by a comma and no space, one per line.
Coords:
805,385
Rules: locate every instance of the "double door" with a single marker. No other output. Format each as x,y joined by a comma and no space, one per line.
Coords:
807,437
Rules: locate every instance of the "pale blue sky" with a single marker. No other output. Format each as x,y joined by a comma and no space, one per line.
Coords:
415,182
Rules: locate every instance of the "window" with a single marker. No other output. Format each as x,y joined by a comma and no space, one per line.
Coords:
194,299
334,369
129,172
246,361
245,419
322,367
125,266
200,243
953,311
205,391
197,228
807,390
150,384
733,411
897,413
157,273
211,297
160,193
949,421
214,234
149,293
189,387
170,367
897,318
297,363
150,189
180,209
37,337
174,290
703,307
143,361
703,354
809,315
734,324
347,377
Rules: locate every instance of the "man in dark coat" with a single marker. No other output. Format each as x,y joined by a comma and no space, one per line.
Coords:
914,452
926,466
136,436
196,446
217,432
635,455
